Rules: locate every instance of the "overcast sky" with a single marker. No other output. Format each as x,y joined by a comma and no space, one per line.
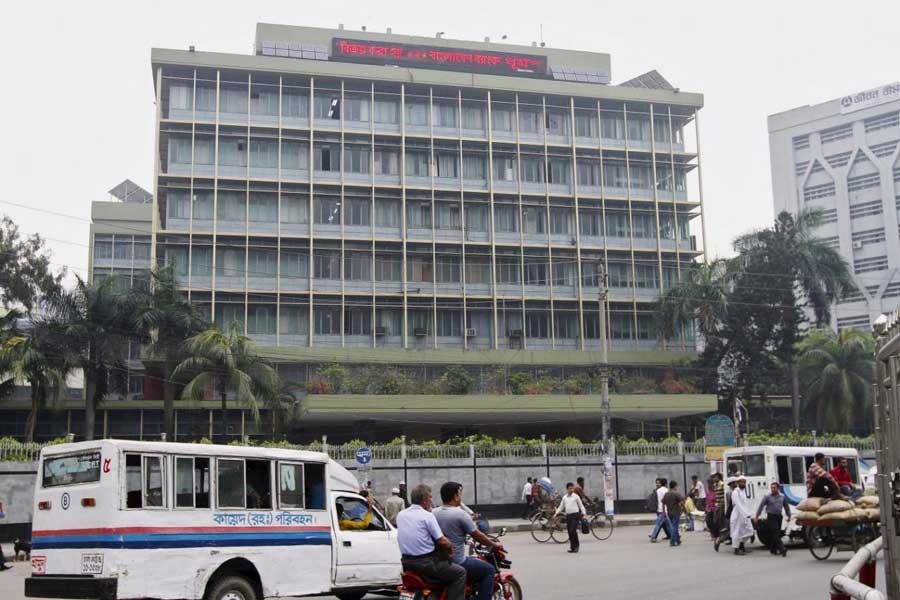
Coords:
77,99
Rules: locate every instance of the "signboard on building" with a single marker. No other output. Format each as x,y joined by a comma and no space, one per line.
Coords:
438,57
719,436
869,98
363,455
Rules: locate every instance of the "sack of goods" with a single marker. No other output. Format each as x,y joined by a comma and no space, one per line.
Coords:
811,504
868,502
873,514
807,516
834,506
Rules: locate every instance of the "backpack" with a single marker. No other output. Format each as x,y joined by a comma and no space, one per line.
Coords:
652,502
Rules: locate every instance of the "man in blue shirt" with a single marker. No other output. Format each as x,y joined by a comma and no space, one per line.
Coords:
420,537
456,524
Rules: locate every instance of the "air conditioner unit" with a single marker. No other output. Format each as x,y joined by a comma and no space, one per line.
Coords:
857,245
573,241
420,332
471,332
381,331
516,334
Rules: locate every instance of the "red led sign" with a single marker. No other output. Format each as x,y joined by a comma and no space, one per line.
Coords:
435,57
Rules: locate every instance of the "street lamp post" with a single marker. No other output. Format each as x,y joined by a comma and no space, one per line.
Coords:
609,497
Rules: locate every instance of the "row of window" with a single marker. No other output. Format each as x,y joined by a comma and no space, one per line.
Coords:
841,132
202,482
443,113
121,247
362,265
233,207
442,163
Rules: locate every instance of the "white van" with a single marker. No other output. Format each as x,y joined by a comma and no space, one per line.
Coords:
118,519
787,465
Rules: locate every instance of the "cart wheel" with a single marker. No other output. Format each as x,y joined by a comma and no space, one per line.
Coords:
820,542
540,528
601,526
558,530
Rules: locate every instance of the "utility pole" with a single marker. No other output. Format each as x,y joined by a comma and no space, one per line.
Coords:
608,485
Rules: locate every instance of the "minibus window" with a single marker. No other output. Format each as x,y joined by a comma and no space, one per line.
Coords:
735,466
231,483
290,485
184,482
354,514
201,482
314,486
71,470
153,477
784,474
853,465
133,489
259,484
798,473
754,465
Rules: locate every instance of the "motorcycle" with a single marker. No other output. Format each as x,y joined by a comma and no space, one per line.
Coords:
506,586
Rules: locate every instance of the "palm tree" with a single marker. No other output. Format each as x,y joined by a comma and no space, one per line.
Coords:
165,319
836,370
701,296
92,326
227,362
31,359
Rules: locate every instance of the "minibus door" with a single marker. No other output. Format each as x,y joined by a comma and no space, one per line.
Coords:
366,550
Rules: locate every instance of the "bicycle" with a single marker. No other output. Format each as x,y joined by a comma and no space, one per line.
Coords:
601,524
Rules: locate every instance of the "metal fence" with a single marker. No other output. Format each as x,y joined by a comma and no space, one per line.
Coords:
18,452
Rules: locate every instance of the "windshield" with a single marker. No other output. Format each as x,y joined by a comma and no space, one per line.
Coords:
71,470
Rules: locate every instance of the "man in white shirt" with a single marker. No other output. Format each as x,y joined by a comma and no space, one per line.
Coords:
572,506
741,517
527,498
662,521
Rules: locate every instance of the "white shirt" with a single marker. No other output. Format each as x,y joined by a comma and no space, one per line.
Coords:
660,492
526,491
571,504
699,490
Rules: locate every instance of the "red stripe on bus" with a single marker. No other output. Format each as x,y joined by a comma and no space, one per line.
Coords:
124,530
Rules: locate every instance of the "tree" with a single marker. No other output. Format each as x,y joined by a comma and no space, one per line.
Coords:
165,320
25,270
32,359
701,296
227,362
92,326
836,371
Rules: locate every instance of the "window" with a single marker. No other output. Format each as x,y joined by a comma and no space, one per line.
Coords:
122,248
71,470
295,156
447,269
617,224
449,323
181,97
261,320
557,123
326,158
232,152
203,206
532,169
476,217
191,482
612,127
565,325
388,268
447,216
754,465
836,133
508,270
417,164
356,160
387,212
327,320
530,121
590,222
445,115
586,125
472,116
294,210
314,485
293,320
387,162
230,262
356,109
327,105
201,261
504,168
358,266
358,321
615,174
327,264
474,167
356,211
560,171
447,165
294,264
141,250
416,113
264,153
589,174
419,268
535,273
502,118
564,273
232,206
387,111
327,211
144,481
506,218
263,208
355,510
791,470
294,105
230,483
562,220
418,215
619,275
233,100
534,219
178,206
103,247
537,325
639,128
478,271
290,486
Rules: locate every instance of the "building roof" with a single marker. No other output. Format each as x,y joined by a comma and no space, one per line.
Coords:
652,80
129,191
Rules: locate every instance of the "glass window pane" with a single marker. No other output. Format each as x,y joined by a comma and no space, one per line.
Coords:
290,483
153,481
184,482
231,483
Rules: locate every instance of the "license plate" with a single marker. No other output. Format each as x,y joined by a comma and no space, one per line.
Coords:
91,564
39,565
407,596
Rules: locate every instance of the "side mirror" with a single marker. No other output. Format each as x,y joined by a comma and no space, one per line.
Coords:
501,532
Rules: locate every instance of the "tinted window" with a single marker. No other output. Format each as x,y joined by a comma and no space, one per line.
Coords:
153,482
133,489
314,485
71,470
798,472
290,485
259,484
754,465
784,474
191,482
231,483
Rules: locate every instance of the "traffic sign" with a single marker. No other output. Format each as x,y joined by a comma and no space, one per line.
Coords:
363,455
720,431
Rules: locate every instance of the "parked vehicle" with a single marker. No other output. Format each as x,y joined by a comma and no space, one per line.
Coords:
506,586
236,523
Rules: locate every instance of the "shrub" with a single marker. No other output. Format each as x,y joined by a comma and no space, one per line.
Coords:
456,380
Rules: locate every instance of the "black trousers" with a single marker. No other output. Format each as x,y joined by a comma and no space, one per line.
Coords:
824,488
527,510
573,524
773,527
450,574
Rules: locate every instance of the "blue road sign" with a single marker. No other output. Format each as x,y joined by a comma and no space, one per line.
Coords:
363,456
720,431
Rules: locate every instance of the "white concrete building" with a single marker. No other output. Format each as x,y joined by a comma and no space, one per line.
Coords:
842,156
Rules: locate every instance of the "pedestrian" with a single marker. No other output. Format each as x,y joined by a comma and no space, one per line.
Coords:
774,503
527,498
709,506
698,492
819,482
393,506
572,506
741,519
722,512
3,565
402,488
535,493
673,503
661,520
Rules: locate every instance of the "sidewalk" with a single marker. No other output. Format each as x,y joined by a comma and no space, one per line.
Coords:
514,525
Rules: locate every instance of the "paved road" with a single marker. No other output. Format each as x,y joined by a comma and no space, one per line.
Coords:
628,566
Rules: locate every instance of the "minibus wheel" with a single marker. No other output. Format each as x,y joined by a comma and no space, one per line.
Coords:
231,588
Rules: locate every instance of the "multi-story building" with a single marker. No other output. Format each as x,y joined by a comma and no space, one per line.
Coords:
842,156
367,198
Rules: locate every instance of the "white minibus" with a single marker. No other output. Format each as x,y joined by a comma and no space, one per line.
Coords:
117,519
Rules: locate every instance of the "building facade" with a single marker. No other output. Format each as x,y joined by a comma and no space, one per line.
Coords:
842,156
